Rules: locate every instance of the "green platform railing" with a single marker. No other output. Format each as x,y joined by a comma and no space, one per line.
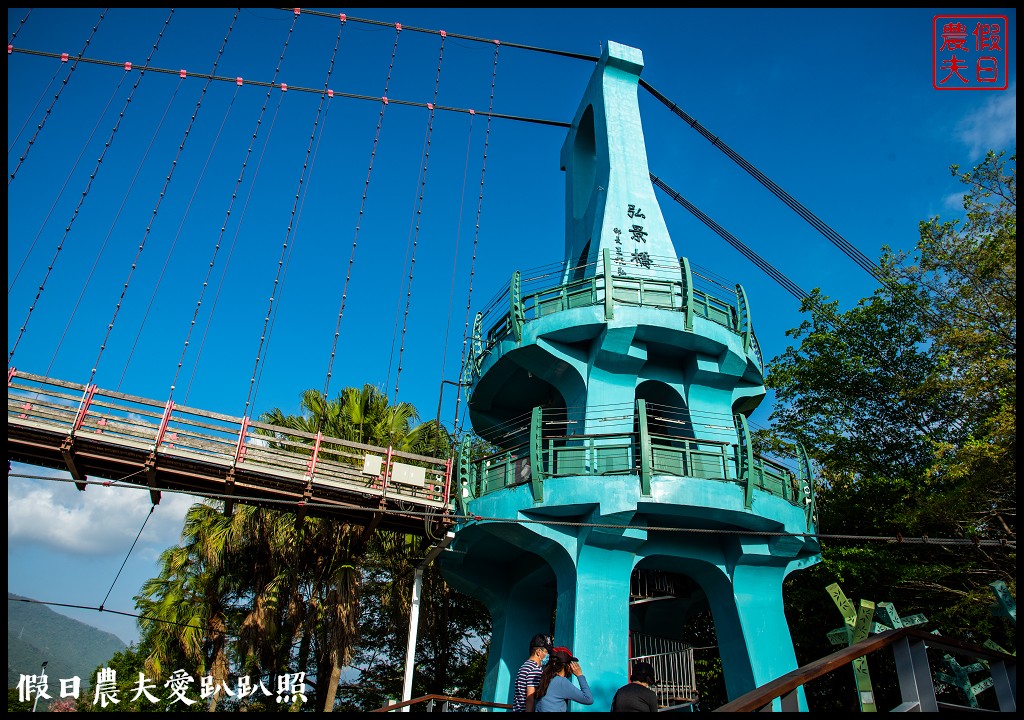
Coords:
637,456
525,300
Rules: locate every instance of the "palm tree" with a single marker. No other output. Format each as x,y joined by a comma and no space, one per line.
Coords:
288,589
186,609
333,550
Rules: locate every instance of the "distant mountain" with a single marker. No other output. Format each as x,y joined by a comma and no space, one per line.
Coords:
36,633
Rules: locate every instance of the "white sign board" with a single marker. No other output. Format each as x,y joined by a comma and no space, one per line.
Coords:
372,464
408,474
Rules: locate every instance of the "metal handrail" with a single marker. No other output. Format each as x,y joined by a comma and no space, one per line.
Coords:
446,699
910,648
590,291
119,420
675,456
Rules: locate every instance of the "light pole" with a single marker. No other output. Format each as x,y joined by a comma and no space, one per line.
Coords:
414,615
36,701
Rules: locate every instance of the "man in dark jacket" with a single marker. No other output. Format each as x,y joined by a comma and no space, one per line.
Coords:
637,696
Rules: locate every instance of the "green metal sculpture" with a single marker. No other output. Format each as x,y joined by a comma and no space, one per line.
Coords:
857,625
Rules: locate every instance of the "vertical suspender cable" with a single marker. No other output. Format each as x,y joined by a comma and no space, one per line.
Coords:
476,237
44,93
300,194
113,224
39,128
419,213
85,193
21,23
227,216
160,197
71,172
359,219
177,236
455,266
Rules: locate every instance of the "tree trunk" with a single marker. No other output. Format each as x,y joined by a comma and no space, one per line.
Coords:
329,689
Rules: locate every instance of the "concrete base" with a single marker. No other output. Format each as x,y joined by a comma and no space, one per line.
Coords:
566,566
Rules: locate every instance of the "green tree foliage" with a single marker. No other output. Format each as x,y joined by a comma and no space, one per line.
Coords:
128,664
907,404
451,649
15,704
262,593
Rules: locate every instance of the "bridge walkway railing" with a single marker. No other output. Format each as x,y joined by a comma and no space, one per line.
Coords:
57,422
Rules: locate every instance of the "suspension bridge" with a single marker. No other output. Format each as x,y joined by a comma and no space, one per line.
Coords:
175,211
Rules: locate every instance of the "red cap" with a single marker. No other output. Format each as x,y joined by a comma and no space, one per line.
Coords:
564,654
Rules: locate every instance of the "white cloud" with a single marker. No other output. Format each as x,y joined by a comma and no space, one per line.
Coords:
99,521
954,202
993,126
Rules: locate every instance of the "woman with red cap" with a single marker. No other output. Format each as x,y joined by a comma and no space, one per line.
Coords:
556,688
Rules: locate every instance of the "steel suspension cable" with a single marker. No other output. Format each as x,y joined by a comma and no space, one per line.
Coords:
362,208
113,224
160,197
56,96
67,180
44,93
177,236
300,196
85,192
419,213
289,233
455,265
760,262
826,314
302,89
835,238
227,216
457,36
21,23
476,239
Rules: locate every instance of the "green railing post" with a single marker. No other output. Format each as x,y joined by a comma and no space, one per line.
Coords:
745,459
744,326
644,449
465,474
806,483
609,280
684,269
476,351
536,455
516,317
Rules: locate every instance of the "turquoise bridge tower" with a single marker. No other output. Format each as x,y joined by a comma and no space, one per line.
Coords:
612,396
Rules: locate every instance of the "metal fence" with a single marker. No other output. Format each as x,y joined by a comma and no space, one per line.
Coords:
674,671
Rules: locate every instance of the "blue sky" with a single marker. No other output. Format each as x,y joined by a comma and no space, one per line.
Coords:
836,106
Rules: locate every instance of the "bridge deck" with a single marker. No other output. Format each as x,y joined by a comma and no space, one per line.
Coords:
95,433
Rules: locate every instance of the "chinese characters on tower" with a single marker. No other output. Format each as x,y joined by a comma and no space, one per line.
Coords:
638,236
970,52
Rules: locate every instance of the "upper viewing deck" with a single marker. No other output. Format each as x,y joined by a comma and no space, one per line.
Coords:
545,291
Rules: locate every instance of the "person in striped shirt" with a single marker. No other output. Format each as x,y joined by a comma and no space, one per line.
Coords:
528,676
